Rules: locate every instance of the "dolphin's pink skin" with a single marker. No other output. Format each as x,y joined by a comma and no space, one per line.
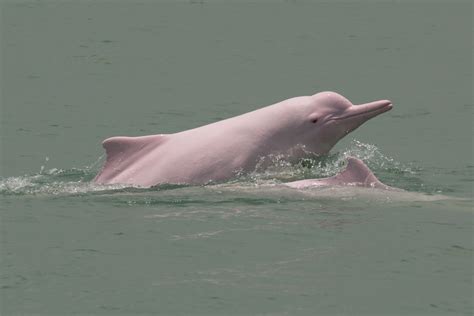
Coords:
216,152
356,173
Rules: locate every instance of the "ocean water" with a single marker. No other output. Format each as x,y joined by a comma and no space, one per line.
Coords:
76,72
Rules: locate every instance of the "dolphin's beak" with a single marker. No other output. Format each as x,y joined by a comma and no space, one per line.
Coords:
356,115
366,111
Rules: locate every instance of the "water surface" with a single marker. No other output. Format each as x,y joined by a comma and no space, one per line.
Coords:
75,73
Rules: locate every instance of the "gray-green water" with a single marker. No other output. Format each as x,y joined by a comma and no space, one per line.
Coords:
76,72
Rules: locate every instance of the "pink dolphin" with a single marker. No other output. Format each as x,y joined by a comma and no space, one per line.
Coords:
356,173
216,152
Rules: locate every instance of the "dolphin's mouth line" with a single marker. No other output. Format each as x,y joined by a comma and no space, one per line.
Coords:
384,108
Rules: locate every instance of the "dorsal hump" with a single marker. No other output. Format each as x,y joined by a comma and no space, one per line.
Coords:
358,173
122,151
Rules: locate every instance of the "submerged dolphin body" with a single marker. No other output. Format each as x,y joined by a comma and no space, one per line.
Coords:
218,151
356,173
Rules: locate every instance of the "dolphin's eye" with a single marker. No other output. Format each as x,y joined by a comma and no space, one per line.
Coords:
314,120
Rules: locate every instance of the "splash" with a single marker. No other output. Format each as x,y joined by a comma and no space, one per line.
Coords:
277,169
54,182
282,169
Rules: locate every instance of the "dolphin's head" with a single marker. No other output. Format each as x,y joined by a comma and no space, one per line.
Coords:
330,117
